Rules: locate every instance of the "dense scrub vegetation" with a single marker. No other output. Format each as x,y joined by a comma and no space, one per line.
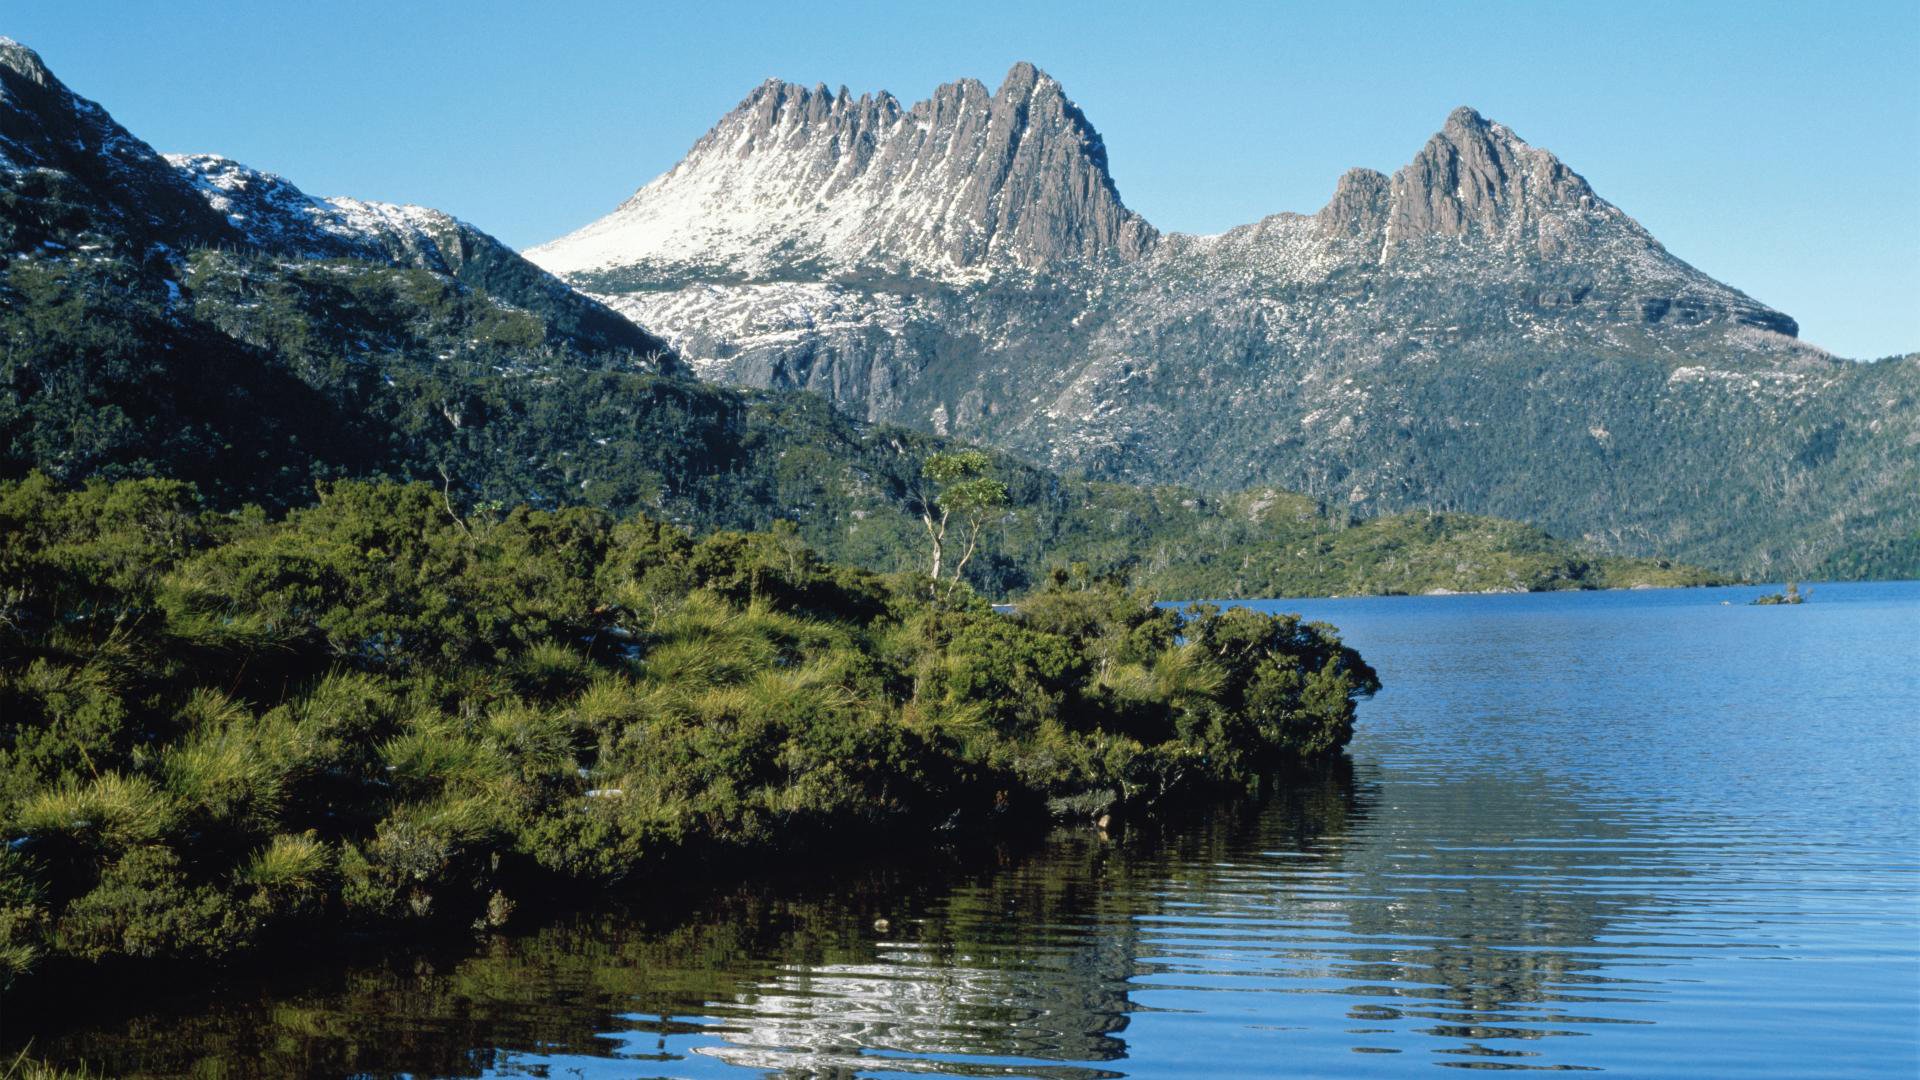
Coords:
224,726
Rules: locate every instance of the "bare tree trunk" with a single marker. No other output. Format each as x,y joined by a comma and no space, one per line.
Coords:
973,538
446,496
936,536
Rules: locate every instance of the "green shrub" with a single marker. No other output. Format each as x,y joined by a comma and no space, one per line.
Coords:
63,721
550,671
290,877
24,917
146,907
225,777
290,864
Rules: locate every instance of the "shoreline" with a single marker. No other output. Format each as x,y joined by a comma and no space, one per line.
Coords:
1839,584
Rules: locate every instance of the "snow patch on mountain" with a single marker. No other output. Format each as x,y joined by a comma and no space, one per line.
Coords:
272,214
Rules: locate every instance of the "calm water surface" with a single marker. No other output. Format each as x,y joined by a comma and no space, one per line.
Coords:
1647,833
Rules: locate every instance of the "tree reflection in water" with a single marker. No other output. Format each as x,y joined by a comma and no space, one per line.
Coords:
1469,914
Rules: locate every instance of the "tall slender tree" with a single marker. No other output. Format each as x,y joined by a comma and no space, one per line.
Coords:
967,496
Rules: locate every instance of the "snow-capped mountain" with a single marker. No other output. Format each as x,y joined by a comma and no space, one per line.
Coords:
1480,330
965,181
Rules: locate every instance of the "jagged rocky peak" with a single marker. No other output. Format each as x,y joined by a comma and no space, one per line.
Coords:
1479,200
808,177
1476,177
1040,186
779,115
826,139
1361,203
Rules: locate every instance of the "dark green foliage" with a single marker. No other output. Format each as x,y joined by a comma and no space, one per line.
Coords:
1892,556
219,727
144,906
99,379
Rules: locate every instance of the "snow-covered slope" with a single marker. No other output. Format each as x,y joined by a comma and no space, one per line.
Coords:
271,213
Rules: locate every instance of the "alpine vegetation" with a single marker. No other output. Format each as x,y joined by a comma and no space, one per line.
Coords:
225,728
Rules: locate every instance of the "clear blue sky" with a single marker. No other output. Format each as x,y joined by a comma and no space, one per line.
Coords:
1776,146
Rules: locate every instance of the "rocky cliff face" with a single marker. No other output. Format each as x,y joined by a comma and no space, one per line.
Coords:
1479,331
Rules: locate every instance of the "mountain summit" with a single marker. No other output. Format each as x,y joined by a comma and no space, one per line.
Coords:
1477,177
1479,330
1478,192
799,177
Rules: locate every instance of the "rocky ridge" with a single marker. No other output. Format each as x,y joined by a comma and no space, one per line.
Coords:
67,167
271,214
72,178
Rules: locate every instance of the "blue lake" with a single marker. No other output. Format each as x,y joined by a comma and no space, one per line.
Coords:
1652,833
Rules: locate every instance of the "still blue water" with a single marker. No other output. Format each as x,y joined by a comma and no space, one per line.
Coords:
1651,833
